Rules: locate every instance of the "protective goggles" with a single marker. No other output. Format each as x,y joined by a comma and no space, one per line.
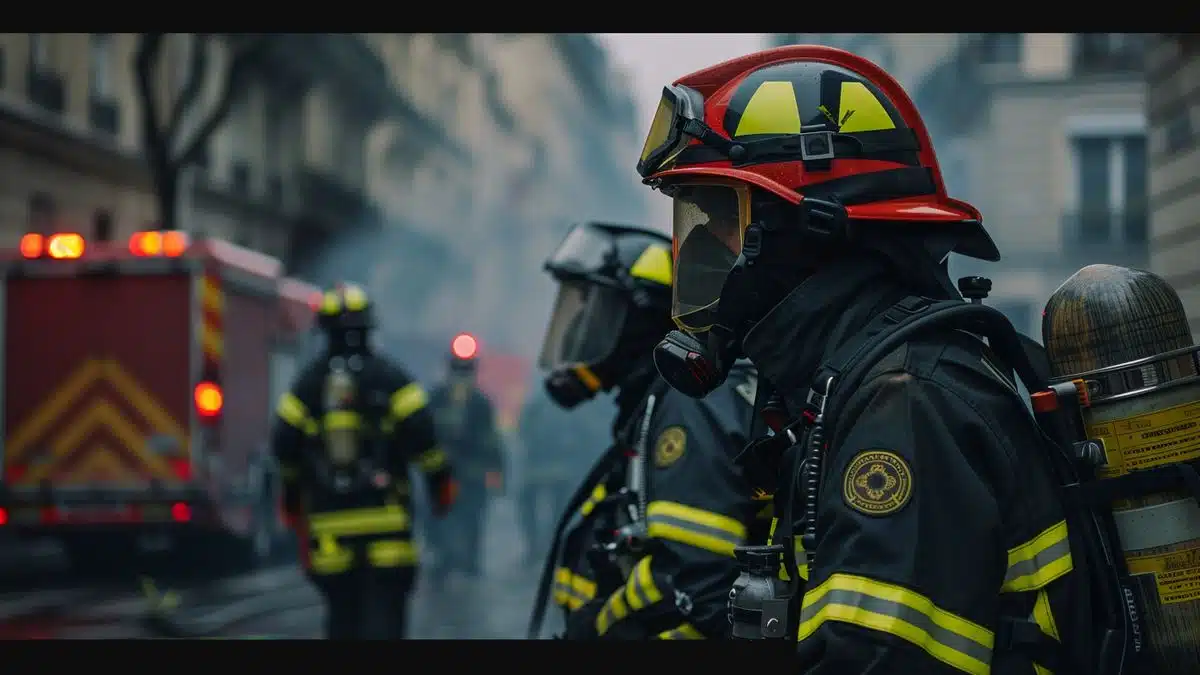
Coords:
670,131
679,119
709,220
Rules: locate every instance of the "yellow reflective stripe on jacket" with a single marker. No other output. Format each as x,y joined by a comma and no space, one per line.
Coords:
1039,561
640,590
292,411
797,551
1043,616
329,557
613,611
901,612
350,522
572,590
598,494
407,400
432,459
392,553
684,631
341,420
694,527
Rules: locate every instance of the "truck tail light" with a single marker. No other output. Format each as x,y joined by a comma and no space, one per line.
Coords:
65,246
3,516
32,245
152,243
182,468
180,512
209,400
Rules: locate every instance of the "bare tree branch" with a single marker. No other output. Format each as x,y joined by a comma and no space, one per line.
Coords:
243,59
193,85
145,67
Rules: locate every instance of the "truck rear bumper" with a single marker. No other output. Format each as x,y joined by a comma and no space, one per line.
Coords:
45,507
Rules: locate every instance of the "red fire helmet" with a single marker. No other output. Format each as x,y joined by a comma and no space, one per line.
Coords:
807,121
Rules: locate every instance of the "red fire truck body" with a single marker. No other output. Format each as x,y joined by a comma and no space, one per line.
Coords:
137,390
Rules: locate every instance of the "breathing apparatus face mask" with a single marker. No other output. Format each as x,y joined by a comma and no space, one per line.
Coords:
719,290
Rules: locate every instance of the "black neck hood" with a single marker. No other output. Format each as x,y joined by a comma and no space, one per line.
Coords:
632,389
789,342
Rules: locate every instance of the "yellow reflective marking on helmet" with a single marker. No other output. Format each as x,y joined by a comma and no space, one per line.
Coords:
771,110
654,264
356,298
861,111
331,304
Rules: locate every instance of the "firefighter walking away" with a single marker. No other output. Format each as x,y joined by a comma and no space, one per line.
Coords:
345,435
466,425
927,523
649,551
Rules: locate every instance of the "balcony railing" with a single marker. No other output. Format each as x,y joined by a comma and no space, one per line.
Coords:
1106,236
45,89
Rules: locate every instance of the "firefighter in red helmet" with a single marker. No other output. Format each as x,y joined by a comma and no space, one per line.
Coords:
916,517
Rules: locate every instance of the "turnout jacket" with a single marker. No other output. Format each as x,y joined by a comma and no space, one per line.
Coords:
937,516
389,411
697,509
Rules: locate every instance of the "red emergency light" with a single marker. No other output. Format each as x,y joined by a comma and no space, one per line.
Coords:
61,246
32,245
65,246
153,243
464,346
209,400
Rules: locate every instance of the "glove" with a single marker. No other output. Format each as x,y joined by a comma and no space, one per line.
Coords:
447,494
581,624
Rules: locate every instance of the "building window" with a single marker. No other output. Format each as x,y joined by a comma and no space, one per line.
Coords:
100,66
42,213
1178,131
1108,52
1001,48
1111,189
102,226
39,50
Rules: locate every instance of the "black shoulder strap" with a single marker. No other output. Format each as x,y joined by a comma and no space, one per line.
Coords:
842,372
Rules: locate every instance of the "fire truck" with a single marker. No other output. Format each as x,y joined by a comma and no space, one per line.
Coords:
138,383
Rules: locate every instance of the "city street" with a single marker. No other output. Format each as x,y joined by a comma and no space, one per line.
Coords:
41,599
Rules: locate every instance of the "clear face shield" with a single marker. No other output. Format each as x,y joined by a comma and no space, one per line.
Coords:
708,222
585,325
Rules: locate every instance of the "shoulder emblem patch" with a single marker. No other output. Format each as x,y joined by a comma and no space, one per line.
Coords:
669,446
877,483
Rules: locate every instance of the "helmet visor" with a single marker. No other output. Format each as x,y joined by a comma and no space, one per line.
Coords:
584,250
585,326
707,226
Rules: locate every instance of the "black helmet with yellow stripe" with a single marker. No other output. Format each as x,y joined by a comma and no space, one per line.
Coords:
613,304
345,307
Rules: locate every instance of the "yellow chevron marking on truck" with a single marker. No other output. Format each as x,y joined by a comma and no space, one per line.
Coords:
50,417
100,414
57,403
